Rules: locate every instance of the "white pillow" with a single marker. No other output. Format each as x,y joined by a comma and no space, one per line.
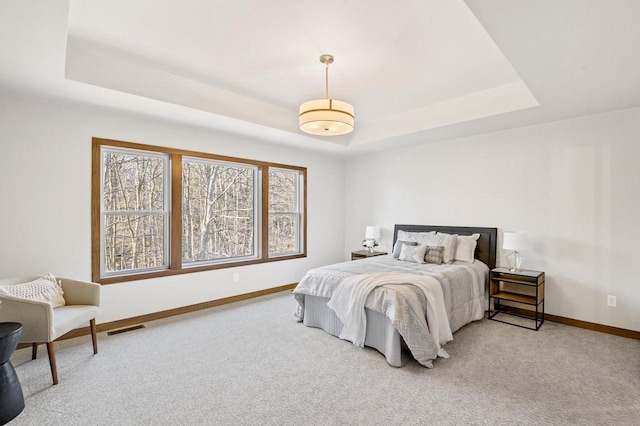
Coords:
466,247
413,254
448,241
418,237
398,247
43,289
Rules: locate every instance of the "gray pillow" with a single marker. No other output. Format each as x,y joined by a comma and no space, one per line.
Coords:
434,254
398,247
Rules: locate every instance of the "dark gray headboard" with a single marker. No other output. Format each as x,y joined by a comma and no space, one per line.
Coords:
485,250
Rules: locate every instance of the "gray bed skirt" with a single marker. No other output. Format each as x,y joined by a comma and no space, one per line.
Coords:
381,334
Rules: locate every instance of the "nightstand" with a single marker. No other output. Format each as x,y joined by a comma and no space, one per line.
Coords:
523,287
363,254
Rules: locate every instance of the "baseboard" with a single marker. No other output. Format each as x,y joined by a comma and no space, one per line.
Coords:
578,323
107,326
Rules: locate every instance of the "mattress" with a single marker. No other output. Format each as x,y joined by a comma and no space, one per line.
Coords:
462,283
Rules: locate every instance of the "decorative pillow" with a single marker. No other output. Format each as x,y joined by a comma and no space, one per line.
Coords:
448,241
44,289
466,247
398,247
434,254
413,254
418,237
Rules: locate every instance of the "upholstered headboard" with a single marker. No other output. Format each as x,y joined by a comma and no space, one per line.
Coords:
485,249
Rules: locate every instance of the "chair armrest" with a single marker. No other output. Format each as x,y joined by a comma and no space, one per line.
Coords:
36,317
80,292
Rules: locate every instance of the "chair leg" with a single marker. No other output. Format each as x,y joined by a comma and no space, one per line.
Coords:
52,362
94,338
34,351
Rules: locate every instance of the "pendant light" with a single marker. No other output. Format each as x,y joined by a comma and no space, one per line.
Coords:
326,117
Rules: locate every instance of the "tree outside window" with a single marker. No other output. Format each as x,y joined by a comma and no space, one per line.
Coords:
134,211
284,212
218,211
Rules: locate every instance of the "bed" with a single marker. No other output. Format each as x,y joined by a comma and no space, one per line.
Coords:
393,324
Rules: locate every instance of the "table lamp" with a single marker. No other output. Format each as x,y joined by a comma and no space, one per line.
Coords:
514,241
372,233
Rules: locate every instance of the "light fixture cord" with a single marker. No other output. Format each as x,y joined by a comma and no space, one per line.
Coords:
326,79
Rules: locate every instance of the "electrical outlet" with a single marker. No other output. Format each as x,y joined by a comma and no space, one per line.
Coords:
611,301
236,277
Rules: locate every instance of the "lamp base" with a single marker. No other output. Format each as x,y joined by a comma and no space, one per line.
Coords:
514,261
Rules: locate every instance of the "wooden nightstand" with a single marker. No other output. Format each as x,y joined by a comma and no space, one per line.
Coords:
363,254
524,287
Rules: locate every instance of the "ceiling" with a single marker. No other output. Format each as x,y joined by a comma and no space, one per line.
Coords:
428,71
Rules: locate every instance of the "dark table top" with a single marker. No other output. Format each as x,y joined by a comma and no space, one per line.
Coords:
7,328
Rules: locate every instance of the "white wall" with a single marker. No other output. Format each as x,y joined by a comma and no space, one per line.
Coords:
45,196
572,185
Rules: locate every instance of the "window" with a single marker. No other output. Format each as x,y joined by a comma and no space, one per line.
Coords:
134,214
219,211
159,211
284,212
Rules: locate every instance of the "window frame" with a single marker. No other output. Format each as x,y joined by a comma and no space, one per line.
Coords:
174,242
300,211
165,212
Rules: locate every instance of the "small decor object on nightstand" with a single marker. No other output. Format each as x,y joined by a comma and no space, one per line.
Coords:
372,233
514,241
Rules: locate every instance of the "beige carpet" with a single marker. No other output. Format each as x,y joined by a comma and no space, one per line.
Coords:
251,363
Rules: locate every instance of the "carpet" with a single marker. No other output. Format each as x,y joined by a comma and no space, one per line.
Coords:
250,363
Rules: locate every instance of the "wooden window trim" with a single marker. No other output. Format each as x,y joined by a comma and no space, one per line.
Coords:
175,231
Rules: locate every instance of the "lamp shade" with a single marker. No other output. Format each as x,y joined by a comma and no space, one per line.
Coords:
372,232
326,117
514,241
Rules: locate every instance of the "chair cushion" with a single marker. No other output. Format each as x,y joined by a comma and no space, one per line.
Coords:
69,317
44,289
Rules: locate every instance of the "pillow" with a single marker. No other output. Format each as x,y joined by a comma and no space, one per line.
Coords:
43,289
434,254
413,254
466,247
418,237
398,247
448,241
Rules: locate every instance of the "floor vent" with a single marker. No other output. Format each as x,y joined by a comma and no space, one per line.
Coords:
125,329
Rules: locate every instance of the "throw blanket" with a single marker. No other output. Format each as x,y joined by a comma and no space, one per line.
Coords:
348,302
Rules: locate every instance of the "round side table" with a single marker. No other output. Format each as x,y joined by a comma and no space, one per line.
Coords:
11,399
